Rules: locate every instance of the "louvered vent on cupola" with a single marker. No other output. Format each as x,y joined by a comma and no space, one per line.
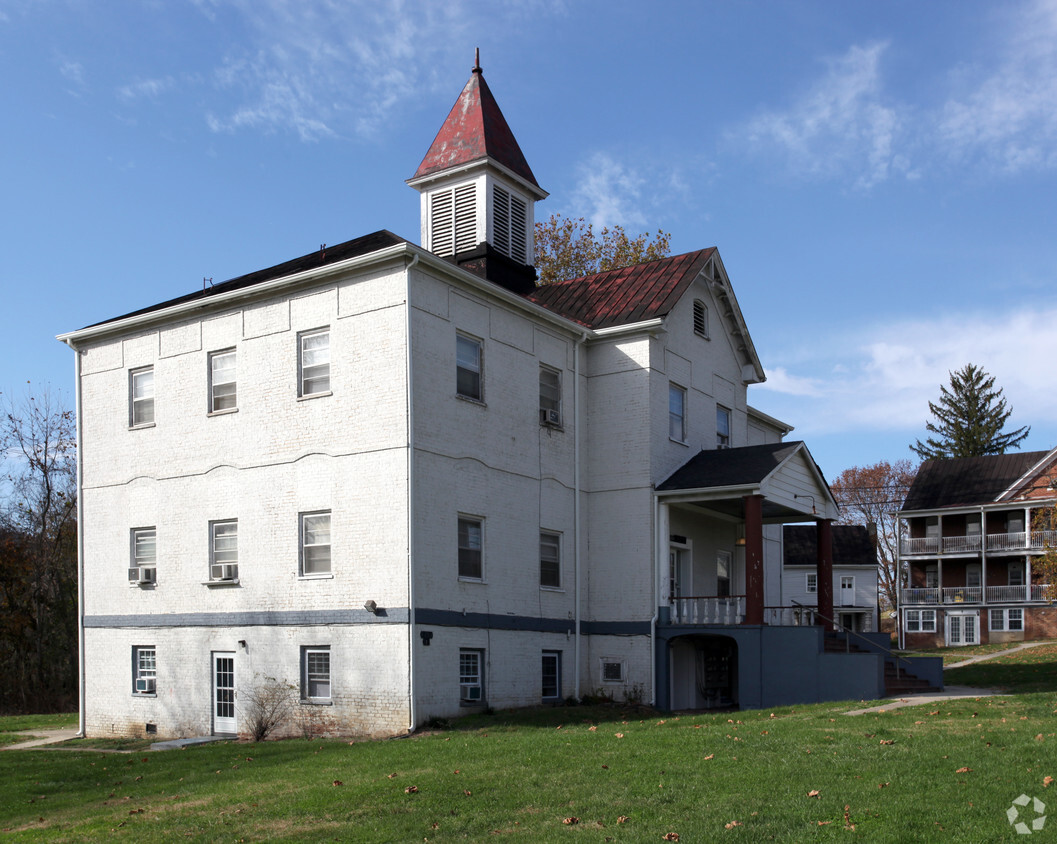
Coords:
453,220
510,224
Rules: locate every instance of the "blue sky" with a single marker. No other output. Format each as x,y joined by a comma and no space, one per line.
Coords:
880,178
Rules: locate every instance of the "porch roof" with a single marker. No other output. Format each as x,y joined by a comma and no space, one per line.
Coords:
785,474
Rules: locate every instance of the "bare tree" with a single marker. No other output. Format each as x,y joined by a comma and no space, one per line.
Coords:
873,495
38,555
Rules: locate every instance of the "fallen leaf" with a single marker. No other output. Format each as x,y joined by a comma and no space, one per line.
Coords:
1039,737
710,756
883,784
963,771
671,836
814,793
824,823
888,741
620,735
570,820
390,776
434,825
338,782
1047,782
411,789
468,793
732,824
623,819
591,729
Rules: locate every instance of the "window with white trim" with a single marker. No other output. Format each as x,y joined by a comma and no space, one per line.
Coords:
724,566
1011,620
471,676
1015,575
469,367
141,397
509,224
812,583
315,673
973,575
550,560
313,362
224,550
550,397
700,319
222,381
722,427
143,553
612,670
315,543
676,413
921,621
471,548
144,670
552,675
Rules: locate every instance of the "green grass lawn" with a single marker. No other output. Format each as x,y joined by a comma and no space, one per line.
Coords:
945,771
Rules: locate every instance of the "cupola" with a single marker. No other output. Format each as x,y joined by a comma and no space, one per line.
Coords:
478,192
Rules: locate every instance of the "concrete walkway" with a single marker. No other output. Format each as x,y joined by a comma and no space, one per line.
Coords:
40,738
995,655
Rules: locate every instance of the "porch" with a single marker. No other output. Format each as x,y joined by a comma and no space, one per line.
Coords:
1035,540
716,611
1034,594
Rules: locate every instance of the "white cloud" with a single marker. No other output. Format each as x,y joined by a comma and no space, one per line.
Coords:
841,127
145,89
608,193
883,380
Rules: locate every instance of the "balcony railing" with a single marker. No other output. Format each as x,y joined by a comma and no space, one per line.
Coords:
1035,540
1036,593
708,609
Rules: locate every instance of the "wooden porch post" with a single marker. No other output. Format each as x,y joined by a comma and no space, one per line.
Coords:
824,571
753,559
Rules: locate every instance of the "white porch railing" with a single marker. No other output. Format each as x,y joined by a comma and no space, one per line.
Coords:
961,544
920,545
708,610
974,595
798,616
1036,540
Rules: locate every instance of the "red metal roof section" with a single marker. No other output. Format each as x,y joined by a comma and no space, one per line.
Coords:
475,129
618,297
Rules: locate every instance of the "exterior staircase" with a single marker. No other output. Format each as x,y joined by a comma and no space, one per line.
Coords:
898,682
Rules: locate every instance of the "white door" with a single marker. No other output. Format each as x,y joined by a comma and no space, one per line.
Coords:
847,591
962,629
224,693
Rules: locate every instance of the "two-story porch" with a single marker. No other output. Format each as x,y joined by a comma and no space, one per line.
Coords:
722,636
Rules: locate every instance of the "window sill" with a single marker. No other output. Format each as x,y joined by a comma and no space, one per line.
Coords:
137,695
221,583
552,589
148,584
226,412
550,427
471,400
678,442
464,579
142,426
311,396
320,702
321,576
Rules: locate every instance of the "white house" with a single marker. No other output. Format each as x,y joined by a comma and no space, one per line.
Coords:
410,483
854,586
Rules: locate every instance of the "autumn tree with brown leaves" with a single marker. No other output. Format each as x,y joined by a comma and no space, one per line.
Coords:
38,556
873,495
570,248
1044,568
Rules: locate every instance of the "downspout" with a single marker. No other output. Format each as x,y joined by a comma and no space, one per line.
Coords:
409,391
657,556
576,508
80,544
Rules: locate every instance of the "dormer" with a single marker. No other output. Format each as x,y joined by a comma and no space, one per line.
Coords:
478,193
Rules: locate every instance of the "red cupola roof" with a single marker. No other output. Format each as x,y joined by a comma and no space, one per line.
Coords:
474,130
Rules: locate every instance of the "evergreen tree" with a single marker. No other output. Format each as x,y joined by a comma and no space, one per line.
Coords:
969,419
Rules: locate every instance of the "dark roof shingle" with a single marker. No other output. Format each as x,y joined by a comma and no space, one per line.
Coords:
730,466
962,481
851,546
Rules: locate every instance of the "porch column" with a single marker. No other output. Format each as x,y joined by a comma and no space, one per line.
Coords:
824,571
753,559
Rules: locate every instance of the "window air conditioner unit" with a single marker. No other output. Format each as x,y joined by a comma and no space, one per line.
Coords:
146,685
133,574
142,574
471,693
224,571
552,418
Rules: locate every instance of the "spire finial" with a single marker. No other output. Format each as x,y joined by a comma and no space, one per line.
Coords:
476,60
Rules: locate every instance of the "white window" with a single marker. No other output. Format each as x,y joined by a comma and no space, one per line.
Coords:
550,397
722,427
677,413
1016,574
1012,619
972,575
144,670
222,383
468,368
700,318
612,670
224,550
315,673
812,583
921,621
471,680
932,577
314,362
509,224
315,543
470,549
453,220
724,564
144,555
552,675
141,397
550,560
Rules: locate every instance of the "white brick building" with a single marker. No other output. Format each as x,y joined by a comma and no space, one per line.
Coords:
409,483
